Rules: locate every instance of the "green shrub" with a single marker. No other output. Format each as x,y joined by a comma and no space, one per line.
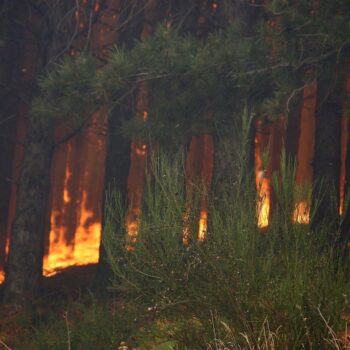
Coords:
240,288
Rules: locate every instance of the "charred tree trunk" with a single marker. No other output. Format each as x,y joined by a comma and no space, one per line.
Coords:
24,266
326,161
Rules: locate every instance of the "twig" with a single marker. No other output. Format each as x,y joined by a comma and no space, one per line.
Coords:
71,134
4,345
68,330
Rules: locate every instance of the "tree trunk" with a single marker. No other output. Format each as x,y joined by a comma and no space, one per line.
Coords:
326,161
24,265
9,75
346,176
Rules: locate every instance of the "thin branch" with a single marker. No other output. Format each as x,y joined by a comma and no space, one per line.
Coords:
73,133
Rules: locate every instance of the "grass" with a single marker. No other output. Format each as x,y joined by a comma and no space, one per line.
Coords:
239,289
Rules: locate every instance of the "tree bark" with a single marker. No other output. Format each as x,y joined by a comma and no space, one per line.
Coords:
9,76
24,265
326,161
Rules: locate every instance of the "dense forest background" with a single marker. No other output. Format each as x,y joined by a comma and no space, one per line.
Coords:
114,111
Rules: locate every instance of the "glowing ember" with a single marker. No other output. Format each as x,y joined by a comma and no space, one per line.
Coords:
84,250
263,203
203,225
301,214
132,224
261,180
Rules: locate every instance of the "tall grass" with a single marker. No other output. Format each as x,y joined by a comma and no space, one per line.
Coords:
240,288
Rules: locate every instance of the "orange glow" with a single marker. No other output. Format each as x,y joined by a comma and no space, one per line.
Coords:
203,225
263,203
84,250
97,6
77,182
132,223
141,151
136,180
301,214
269,142
262,182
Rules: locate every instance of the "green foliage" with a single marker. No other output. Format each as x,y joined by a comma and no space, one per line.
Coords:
91,324
187,77
239,281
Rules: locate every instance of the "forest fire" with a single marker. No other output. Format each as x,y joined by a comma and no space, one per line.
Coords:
85,248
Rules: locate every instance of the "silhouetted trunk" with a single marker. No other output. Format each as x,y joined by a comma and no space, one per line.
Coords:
10,96
346,187
326,161
116,179
24,265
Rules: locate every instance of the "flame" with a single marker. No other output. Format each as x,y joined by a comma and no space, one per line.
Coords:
263,203
203,225
261,180
84,250
132,224
301,214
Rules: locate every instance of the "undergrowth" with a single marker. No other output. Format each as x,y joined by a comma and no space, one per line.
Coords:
241,288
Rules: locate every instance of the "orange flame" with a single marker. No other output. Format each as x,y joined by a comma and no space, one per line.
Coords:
263,203
84,250
261,180
301,214
132,223
203,225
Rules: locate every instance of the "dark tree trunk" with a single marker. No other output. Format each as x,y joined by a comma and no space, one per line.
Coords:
10,96
116,179
345,228
24,265
326,161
